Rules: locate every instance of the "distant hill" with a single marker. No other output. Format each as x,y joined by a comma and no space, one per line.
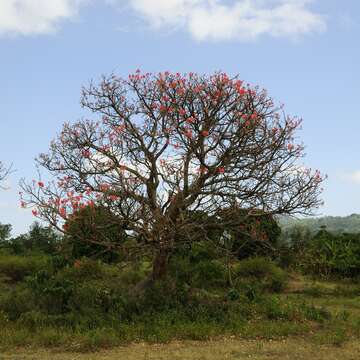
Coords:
336,224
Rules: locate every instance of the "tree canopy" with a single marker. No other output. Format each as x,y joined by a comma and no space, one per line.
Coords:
166,144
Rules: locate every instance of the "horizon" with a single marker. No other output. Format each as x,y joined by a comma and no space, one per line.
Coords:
302,51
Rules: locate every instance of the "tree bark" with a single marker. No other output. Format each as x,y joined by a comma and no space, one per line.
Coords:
160,265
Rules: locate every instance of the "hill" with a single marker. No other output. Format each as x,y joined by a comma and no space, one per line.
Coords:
336,224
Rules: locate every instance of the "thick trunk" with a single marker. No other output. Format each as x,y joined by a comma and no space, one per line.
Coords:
160,265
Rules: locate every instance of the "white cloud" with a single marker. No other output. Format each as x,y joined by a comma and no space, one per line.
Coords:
27,17
353,176
237,19
203,19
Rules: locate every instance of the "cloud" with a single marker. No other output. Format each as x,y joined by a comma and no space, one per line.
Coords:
242,20
354,177
28,17
350,176
216,20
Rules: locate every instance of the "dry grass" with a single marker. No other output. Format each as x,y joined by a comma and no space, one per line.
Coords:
227,349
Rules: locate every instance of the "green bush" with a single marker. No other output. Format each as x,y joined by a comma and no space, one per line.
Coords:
261,271
95,232
16,268
199,266
16,302
333,255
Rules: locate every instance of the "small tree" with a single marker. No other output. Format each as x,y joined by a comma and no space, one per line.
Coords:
95,232
168,144
38,238
255,235
5,232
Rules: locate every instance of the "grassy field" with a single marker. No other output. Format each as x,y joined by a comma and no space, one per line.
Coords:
335,339
232,349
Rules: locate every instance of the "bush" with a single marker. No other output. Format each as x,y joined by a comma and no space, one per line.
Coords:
16,302
199,266
95,232
262,272
16,268
333,255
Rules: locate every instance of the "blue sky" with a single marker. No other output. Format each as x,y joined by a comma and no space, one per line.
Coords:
306,53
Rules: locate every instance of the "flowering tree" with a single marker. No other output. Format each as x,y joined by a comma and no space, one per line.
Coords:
169,144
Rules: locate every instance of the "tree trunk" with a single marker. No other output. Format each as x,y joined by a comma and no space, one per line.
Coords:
160,265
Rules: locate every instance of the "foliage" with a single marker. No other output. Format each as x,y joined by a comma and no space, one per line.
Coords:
334,224
38,239
16,268
292,246
261,273
251,233
95,232
5,233
170,144
333,255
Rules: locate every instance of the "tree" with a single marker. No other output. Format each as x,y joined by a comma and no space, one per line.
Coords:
38,238
168,144
254,235
95,232
5,232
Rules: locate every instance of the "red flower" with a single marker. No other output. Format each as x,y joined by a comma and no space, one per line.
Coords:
205,133
242,92
86,153
188,134
41,184
163,108
221,170
114,197
190,120
202,170
104,187
35,212
62,212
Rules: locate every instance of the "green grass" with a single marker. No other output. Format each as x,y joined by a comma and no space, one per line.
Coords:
103,318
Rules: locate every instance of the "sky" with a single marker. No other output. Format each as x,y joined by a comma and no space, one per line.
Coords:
306,53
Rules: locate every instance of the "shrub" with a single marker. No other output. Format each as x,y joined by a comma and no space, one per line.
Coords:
16,268
262,271
16,302
333,255
95,232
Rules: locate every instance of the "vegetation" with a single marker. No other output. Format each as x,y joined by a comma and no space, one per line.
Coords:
334,224
163,225
53,299
168,146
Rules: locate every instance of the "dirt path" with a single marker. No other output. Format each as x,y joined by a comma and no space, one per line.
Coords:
289,349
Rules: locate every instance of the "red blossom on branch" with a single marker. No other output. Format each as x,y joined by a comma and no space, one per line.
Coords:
169,144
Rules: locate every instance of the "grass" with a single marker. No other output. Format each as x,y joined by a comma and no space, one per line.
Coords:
295,348
311,319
